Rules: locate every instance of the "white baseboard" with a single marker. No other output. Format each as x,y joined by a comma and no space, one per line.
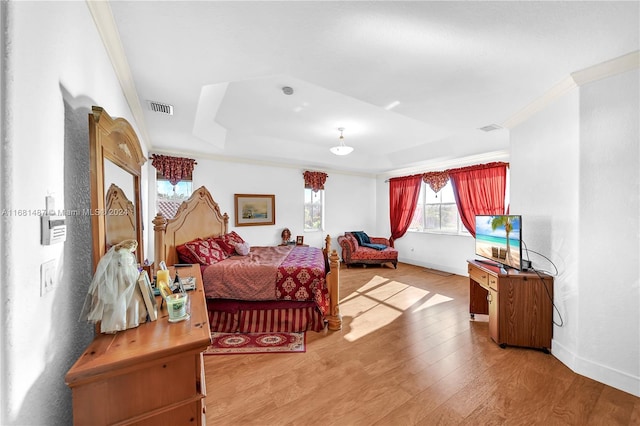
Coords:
601,373
443,268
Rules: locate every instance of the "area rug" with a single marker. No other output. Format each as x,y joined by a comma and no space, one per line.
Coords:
256,343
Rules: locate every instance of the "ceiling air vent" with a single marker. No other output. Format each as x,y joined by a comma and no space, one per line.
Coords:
160,107
490,127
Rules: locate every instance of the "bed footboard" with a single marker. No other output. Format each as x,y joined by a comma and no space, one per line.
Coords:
333,285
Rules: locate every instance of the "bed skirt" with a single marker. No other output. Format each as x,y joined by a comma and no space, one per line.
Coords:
230,316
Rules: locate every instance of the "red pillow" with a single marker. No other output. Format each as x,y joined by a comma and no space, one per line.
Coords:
185,255
229,249
206,252
227,242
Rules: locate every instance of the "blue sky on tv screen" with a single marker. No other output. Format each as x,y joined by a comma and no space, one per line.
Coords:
483,227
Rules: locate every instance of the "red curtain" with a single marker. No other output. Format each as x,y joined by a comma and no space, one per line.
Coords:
173,168
314,180
479,190
403,198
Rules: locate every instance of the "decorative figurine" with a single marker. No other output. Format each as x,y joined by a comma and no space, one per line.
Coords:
286,236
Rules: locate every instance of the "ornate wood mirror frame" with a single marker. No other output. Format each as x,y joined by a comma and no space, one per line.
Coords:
113,140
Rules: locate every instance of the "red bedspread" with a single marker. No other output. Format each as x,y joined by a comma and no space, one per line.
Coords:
270,273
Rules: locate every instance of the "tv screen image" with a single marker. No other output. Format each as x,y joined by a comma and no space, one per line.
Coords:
498,238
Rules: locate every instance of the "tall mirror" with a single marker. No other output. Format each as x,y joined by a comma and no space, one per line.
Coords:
116,168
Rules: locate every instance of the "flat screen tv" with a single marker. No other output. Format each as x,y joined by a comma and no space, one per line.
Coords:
499,239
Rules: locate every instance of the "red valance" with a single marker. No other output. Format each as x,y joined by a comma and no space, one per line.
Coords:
173,168
436,180
314,180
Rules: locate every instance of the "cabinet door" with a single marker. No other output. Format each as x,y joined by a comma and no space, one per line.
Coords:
477,299
527,312
494,313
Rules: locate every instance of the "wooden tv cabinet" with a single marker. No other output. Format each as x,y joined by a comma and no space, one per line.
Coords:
519,305
149,375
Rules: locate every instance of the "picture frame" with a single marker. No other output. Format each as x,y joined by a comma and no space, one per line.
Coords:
254,209
299,240
144,284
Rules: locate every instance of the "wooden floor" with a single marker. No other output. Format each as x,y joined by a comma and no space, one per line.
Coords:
408,354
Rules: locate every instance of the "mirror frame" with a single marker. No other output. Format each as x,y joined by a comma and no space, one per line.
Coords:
112,139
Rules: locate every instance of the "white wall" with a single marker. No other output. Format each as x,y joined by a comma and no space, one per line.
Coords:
544,190
609,310
574,177
54,69
350,200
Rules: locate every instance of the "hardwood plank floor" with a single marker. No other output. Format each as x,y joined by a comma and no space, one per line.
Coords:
408,354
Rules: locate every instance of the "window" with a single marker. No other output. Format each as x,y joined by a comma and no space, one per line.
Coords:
169,197
313,210
437,212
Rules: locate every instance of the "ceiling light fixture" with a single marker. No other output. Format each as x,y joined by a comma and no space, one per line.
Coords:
341,149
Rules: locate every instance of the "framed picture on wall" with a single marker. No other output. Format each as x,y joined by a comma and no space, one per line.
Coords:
255,209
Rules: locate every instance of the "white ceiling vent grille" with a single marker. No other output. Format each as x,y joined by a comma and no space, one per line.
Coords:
160,107
490,127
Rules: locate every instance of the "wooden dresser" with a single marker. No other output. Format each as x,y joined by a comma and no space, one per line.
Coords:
149,375
519,304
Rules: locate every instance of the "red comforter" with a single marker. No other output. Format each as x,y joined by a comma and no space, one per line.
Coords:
270,273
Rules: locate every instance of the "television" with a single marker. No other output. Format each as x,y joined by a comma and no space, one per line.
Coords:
499,239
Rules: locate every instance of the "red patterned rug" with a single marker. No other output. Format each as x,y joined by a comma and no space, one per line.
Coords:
256,343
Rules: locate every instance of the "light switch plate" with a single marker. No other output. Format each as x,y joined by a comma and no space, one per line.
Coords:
47,276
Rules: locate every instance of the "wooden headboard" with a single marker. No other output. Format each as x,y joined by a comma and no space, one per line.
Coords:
198,217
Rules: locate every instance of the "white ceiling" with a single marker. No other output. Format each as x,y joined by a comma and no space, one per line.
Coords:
451,68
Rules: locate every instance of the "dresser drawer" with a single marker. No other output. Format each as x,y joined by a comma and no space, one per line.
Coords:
479,276
493,282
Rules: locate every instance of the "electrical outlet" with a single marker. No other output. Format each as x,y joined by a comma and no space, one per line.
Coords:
47,277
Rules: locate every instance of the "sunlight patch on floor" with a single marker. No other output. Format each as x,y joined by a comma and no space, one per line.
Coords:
381,301
432,301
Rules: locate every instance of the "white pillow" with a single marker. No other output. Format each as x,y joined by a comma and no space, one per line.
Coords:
242,248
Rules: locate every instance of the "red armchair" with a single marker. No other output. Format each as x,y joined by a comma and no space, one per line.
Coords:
354,253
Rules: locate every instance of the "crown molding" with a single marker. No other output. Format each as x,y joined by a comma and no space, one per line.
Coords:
606,69
541,103
106,26
596,72
486,157
257,162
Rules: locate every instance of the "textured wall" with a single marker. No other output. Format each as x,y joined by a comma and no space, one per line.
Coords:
54,69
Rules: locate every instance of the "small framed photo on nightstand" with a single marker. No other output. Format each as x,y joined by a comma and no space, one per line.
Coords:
299,240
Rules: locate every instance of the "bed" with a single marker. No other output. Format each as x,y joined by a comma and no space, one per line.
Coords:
286,306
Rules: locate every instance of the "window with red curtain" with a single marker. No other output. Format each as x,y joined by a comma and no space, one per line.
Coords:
173,182
314,200
403,197
479,190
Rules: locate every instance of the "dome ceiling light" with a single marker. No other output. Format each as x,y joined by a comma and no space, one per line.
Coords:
341,149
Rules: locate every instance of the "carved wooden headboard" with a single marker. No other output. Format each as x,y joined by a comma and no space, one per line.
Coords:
198,217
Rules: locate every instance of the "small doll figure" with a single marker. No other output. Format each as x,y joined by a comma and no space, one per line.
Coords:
113,298
286,236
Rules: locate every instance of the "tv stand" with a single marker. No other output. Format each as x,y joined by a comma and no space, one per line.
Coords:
519,305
